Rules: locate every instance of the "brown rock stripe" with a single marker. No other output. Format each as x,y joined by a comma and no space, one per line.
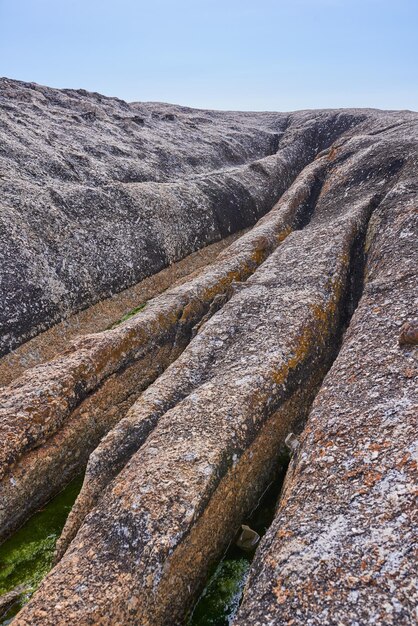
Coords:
105,313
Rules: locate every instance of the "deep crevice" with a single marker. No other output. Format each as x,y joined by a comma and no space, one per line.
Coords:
307,209
223,591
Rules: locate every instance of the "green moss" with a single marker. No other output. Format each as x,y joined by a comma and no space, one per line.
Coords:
26,557
222,595
127,316
220,600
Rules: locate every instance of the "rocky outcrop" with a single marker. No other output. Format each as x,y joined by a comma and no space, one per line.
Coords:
105,314
342,549
97,194
166,490
198,391
54,415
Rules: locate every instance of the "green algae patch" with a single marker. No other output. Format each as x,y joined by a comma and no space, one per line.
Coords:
26,557
222,594
127,316
220,600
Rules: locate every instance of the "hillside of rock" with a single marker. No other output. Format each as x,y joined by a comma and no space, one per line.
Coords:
98,194
179,412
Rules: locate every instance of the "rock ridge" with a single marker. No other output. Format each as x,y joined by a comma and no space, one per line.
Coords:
305,323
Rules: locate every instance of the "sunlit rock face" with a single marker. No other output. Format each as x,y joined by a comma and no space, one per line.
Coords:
97,194
304,324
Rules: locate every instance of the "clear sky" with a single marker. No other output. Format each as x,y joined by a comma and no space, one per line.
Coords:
223,54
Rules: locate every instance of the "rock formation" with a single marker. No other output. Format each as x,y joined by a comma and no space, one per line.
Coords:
97,194
342,548
308,317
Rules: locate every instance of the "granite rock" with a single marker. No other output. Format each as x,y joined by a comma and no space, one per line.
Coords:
168,487
181,413
97,194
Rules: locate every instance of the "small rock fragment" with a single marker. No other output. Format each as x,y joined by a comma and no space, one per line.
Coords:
247,539
408,335
292,442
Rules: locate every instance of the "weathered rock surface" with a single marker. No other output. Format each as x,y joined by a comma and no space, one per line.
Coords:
97,194
166,489
199,390
54,415
106,313
343,547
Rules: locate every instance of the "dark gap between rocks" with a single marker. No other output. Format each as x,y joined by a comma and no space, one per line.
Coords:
307,209
221,597
356,273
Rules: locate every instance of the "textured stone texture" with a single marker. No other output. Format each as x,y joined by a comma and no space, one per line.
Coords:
105,313
97,194
343,547
201,388
168,484
54,415
168,487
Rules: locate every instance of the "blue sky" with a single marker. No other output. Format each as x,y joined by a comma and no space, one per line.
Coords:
230,54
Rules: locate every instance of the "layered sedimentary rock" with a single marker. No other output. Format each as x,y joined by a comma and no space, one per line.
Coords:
198,391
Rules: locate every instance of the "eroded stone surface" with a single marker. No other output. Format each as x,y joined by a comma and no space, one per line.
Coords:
54,415
343,547
195,434
249,340
105,313
97,194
